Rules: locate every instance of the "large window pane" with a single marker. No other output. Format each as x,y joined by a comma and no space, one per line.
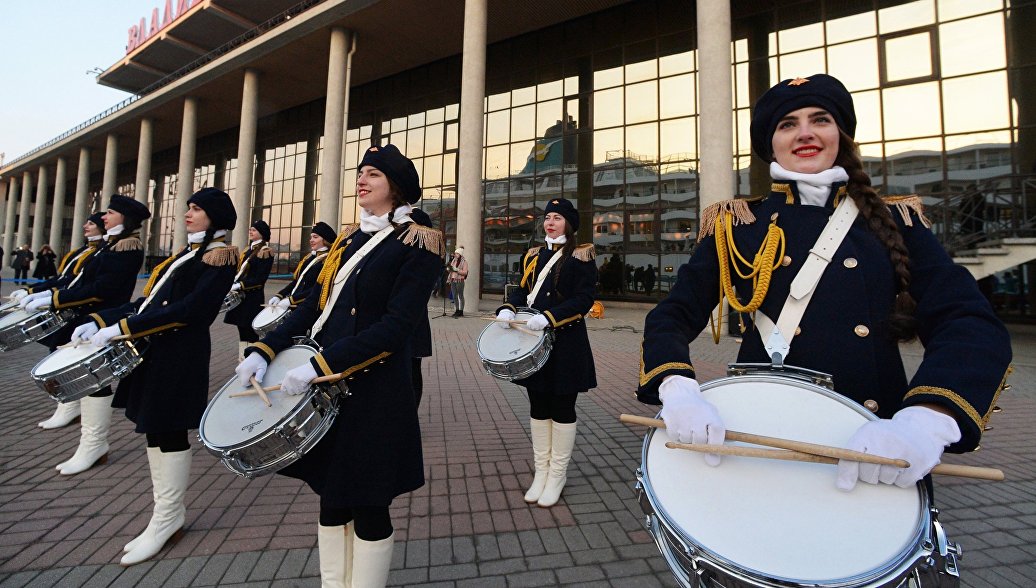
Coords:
868,116
855,64
607,144
498,127
679,139
677,63
523,123
975,44
906,16
804,37
642,141
677,96
851,27
908,57
976,103
912,111
950,9
642,102
608,108
802,64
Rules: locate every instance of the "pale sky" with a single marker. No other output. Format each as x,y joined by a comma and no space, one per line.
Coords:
47,48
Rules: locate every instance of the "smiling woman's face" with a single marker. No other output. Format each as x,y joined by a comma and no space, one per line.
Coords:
806,141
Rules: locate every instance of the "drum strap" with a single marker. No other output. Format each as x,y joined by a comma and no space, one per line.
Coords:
777,337
542,277
187,256
343,276
311,263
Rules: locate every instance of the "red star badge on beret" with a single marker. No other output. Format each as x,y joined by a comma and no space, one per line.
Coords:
555,202
375,148
798,82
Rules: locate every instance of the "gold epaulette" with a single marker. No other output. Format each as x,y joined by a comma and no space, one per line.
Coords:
737,207
128,244
264,252
533,252
585,252
904,205
346,232
424,238
220,256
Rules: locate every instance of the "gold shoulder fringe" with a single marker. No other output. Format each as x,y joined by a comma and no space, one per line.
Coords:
904,205
533,252
585,252
128,244
424,238
738,207
347,231
264,253
221,256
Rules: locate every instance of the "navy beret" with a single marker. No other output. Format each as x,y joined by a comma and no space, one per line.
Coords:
565,209
129,208
97,218
421,217
397,167
217,206
263,228
819,90
325,231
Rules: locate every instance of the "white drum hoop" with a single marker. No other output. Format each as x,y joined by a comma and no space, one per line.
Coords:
25,327
269,319
232,300
510,354
695,564
89,373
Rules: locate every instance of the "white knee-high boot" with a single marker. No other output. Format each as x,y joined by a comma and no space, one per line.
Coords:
65,413
335,547
563,439
169,508
154,461
541,438
93,439
371,562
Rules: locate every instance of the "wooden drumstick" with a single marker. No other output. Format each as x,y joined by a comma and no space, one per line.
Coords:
494,319
801,446
259,390
961,471
317,380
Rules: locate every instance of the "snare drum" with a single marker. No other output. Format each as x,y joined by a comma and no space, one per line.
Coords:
269,319
510,354
253,439
231,300
74,372
768,523
21,327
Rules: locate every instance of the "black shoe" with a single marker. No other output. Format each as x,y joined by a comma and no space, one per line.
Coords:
460,314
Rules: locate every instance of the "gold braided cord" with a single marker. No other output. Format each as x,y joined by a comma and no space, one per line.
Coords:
760,270
327,273
155,273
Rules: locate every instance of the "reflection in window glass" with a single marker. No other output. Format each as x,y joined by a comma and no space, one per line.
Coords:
802,64
452,131
972,45
433,139
804,37
523,123
912,111
497,127
742,126
520,155
855,64
740,50
676,63
497,162
996,138
550,90
906,16
641,102
432,171
868,116
976,103
677,96
607,78
642,141
950,9
908,57
914,167
852,27
608,108
415,143
498,101
547,114
523,96
678,138
644,70
741,98
609,142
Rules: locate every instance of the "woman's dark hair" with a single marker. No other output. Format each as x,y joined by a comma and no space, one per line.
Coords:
902,324
397,196
566,249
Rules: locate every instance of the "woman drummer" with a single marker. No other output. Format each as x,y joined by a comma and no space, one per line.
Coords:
166,395
106,280
373,289
559,279
888,281
253,270
306,272
71,266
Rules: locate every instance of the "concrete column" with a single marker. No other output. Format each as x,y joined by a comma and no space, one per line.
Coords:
24,236
245,155
715,120
82,203
334,113
9,212
111,170
469,175
39,215
142,184
57,212
185,173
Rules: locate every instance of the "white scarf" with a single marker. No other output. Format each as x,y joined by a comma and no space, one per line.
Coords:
370,223
561,240
813,188
95,238
114,231
199,237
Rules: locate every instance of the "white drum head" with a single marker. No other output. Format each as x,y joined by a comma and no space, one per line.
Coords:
267,316
63,358
501,345
13,318
782,519
231,421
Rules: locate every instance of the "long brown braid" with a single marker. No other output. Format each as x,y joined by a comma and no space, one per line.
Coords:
902,324
566,250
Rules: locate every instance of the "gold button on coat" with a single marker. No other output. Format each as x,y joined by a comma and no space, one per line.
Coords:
850,262
786,261
870,405
862,330
798,331
353,312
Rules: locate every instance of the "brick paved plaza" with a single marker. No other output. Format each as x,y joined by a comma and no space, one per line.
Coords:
468,526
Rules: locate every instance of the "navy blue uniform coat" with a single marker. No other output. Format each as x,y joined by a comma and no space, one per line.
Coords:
565,298
967,350
372,452
306,278
260,261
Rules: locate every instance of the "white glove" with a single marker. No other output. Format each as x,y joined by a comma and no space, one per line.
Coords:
297,380
538,322
235,287
915,433
505,315
253,365
84,331
273,301
689,418
42,301
284,303
25,300
101,337
19,294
